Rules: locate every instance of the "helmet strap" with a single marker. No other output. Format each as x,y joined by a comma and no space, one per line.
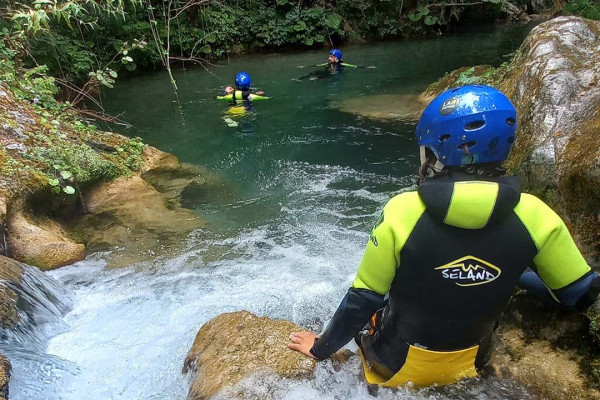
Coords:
430,165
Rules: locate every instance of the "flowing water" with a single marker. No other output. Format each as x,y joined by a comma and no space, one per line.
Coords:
309,182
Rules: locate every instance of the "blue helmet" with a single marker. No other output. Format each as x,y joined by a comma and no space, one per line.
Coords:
242,80
337,53
468,125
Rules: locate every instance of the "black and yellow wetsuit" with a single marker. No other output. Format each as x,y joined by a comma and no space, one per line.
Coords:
449,256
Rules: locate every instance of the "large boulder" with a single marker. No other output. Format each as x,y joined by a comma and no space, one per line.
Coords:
553,82
42,243
235,345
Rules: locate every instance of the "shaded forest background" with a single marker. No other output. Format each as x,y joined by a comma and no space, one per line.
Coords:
91,41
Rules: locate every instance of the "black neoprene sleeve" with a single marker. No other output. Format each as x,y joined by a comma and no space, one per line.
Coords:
352,315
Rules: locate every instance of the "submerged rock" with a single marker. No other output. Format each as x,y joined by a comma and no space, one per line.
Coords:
232,346
131,214
385,107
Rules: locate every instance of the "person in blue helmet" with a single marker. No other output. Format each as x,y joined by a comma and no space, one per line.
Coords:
242,93
335,62
441,262
334,65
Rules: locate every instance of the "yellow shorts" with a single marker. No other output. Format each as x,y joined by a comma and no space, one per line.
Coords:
427,368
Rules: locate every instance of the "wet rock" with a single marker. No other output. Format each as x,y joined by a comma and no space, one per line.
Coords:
10,275
184,184
42,243
5,369
548,7
235,345
129,213
553,82
3,234
385,107
553,373
156,160
593,313
514,12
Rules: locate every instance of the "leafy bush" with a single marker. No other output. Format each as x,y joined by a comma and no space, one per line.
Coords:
585,8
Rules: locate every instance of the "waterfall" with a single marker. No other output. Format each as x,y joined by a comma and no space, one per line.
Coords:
41,303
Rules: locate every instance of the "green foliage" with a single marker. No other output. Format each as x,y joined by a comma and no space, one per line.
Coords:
467,78
69,162
132,152
58,152
76,37
585,8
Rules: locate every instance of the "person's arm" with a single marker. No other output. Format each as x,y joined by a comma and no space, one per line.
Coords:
352,314
559,265
257,96
578,295
373,280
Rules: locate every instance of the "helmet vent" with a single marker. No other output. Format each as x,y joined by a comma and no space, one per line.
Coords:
444,137
510,121
471,126
465,146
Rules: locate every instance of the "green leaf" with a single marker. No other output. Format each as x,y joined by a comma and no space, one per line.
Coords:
282,2
430,20
53,182
57,167
69,190
414,17
66,174
206,49
423,10
130,67
211,38
309,41
112,73
300,26
333,20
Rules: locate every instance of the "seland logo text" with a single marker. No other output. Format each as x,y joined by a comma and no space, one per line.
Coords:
470,271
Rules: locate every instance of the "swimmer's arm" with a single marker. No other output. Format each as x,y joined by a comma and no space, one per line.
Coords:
353,313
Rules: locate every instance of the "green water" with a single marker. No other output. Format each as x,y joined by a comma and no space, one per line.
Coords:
301,124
